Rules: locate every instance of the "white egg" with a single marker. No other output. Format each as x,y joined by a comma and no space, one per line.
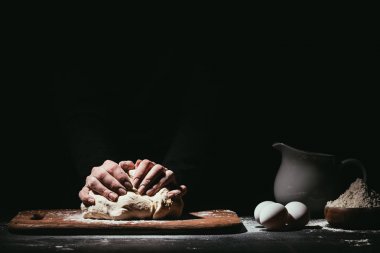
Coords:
273,216
298,214
258,209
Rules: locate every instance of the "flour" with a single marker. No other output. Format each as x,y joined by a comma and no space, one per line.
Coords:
324,225
358,243
358,195
80,219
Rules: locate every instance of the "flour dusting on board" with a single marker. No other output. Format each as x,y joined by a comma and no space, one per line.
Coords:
215,213
79,218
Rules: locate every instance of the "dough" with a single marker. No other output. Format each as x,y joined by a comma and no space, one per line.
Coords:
132,206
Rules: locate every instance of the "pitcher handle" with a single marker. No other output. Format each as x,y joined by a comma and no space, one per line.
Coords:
356,163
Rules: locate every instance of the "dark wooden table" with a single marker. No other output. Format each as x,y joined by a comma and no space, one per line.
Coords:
316,237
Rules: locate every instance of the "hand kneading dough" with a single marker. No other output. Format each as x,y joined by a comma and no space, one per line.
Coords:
134,206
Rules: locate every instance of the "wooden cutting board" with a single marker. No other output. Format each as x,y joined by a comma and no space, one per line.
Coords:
70,221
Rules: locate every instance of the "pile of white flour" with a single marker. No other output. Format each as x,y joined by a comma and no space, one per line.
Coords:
358,195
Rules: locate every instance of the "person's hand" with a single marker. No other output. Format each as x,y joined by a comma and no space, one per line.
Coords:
150,177
108,180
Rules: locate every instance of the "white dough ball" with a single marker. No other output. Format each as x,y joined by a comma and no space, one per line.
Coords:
273,216
298,214
258,209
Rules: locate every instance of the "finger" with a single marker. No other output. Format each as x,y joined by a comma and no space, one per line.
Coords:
109,166
141,171
95,185
178,192
167,179
127,165
121,176
153,174
109,163
174,193
85,197
138,162
108,180
183,189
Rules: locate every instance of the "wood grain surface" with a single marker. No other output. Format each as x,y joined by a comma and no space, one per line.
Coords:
70,221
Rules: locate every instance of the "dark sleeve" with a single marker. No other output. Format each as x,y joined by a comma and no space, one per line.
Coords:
190,151
82,117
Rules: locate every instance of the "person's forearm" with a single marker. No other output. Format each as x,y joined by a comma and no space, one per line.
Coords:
83,119
88,143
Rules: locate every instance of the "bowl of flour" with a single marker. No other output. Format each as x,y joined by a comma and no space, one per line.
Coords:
357,208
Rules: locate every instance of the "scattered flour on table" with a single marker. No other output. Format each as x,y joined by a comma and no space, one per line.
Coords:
252,226
62,248
324,225
358,195
358,243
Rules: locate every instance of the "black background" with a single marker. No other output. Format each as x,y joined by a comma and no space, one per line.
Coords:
316,93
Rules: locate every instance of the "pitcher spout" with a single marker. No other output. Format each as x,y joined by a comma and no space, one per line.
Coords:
283,147
279,146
